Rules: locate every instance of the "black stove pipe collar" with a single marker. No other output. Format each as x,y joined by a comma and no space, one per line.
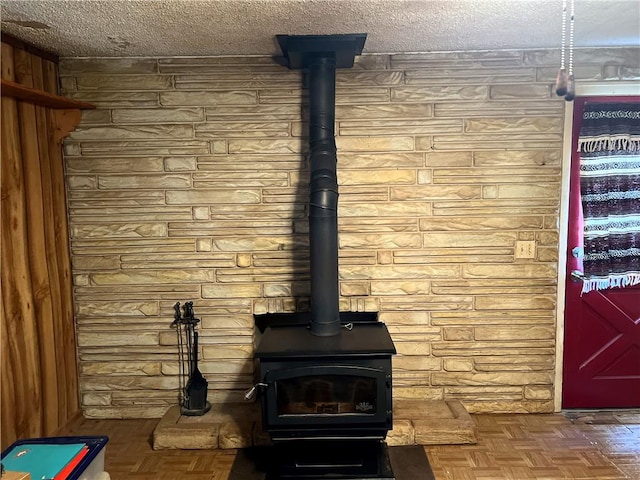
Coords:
323,205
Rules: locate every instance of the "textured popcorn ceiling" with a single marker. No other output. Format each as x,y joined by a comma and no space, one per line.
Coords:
73,28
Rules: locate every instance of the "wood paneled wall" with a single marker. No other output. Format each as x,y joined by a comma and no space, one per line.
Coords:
39,370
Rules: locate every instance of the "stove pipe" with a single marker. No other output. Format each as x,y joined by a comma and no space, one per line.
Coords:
321,55
323,200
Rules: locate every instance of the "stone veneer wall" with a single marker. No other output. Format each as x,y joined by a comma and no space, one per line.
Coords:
189,182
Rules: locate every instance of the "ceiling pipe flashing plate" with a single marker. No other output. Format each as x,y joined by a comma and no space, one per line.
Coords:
298,50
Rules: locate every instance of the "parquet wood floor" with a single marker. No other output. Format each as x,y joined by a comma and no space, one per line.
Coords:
549,447
602,446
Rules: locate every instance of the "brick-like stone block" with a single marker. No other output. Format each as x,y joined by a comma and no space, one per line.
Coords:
198,99
459,429
235,435
458,333
458,364
443,431
537,392
170,434
436,422
402,433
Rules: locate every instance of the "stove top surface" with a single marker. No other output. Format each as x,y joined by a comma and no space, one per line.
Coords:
362,339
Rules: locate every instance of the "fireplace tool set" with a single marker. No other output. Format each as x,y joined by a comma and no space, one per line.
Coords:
192,382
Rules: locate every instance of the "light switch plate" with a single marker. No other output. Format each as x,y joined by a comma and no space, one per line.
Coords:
526,249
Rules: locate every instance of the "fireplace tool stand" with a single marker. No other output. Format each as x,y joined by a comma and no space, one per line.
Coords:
192,383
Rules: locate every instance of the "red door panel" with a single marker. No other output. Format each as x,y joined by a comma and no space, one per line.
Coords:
602,328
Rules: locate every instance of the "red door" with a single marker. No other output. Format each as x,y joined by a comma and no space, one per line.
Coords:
602,328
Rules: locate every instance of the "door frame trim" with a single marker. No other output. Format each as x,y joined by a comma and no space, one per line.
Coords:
583,90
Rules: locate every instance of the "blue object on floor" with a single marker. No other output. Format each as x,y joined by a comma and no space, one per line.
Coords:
45,457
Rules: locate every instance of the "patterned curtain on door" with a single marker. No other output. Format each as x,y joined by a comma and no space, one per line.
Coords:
609,146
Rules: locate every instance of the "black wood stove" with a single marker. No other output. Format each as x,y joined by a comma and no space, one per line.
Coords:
334,387
326,400
325,376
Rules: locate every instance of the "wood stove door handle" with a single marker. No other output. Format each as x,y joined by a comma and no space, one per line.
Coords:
250,394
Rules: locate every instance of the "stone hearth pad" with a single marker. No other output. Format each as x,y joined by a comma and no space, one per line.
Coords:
228,426
421,422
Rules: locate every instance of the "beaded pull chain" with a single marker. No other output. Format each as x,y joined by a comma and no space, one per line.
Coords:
565,83
561,78
571,83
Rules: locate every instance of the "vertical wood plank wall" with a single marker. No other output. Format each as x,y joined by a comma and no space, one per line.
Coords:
39,373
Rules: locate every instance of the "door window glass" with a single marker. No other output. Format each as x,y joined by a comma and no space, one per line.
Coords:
326,395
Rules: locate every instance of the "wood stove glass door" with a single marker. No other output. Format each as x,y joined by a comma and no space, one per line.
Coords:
326,395
329,392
